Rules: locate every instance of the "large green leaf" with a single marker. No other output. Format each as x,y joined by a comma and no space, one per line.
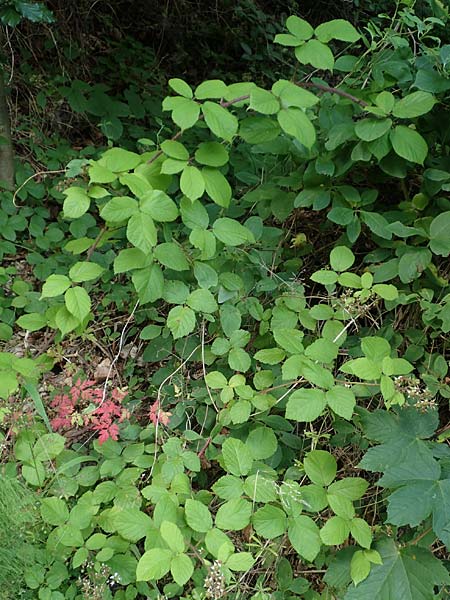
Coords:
337,29
414,105
159,206
181,321
231,232
269,521
304,536
316,54
141,232
234,515
221,122
153,564
294,122
132,524
409,144
77,302
197,516
236,457
408,573
439,234
77,202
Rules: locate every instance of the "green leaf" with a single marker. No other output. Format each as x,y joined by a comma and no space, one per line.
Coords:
294,122
141,232
263,101
293,95
175,150
316,54
262,442
148,283
414,105
286,39
100,174
386,291
216,380
364,368
217,186
132,524
375,348
77,202
270,356
159,206
129,259
338,29
269,522
236,457
359,567
335,531
372,129
211,154
409,144
55,285
241,561
289,339
234,515
180,87
85,271
361,532
185,112
202,301
32,321
77,302
220,121
212,88
300,28
322,350
231,232
439,234
341,258
377,224
54,511
181,567
181,321
194,214
320,466
412,569
153,564
305,405
239,360
197,516
171,256
192,183
342,401
304,536
172,535
352,488
118,160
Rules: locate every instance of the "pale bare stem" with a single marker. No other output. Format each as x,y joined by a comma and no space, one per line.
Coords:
32,177
204,368
158,403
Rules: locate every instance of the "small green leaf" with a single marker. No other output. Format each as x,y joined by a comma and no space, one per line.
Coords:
180,87
85,271
231,232
211,154
263,101
361,532
236,457
299,28
320,466
181,567
316,54
409,144
197,516
153,564
294,122
171,256
181,321
337,29
55,285
335,531
141,232
269,522
220,121
234,515
77,202
342,401
172,535
54,511
439,234
77,302
414,105
341,258
192,183
202,301
159,206
304,536
212,88
305,405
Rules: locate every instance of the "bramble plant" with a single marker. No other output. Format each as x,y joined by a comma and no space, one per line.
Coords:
282,257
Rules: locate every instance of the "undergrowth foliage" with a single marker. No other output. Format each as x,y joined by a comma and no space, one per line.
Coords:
282,256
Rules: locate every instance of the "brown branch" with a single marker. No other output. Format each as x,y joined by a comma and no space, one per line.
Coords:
332,90
95,244
302,84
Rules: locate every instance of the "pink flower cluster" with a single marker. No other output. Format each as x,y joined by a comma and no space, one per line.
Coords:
72,409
